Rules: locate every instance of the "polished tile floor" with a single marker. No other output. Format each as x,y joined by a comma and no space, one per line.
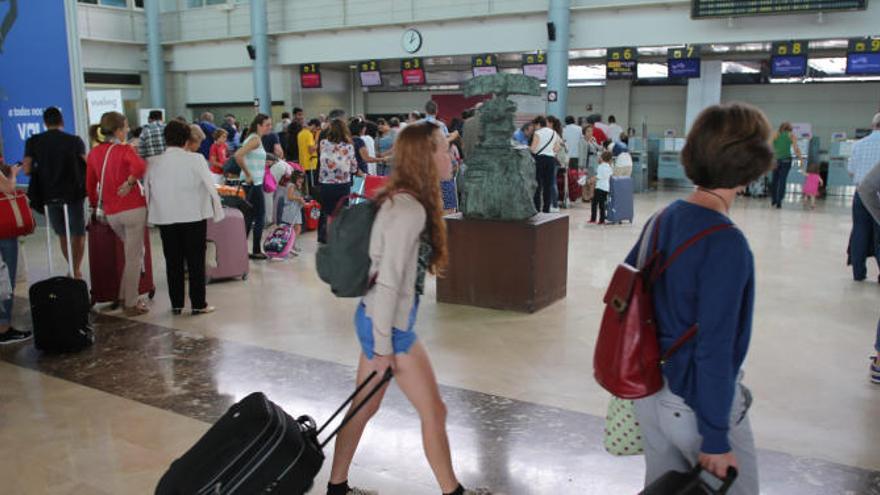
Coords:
525,414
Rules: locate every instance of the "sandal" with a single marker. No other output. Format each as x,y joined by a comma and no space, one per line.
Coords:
137,310
204,311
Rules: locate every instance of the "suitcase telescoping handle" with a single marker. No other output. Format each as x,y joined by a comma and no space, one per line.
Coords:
386,377
49,238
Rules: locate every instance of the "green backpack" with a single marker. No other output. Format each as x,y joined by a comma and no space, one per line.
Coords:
344,261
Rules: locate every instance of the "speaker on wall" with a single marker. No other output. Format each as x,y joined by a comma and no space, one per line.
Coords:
551,31
252,52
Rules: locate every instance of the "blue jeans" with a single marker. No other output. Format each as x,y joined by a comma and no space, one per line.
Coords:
780,181
877,339
863,240
9,252
554,194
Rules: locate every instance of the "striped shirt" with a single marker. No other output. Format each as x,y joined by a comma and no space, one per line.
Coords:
865,156
255,161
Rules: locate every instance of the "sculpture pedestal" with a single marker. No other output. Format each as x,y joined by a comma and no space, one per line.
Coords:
517,266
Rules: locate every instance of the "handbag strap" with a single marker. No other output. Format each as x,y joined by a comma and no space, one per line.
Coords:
548,143
103,170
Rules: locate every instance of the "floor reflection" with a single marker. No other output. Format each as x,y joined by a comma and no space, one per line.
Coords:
515,447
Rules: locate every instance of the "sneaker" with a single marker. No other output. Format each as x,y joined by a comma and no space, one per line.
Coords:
478,491
875,371
554,209
258,256
13,336
353,490
204,311
177,311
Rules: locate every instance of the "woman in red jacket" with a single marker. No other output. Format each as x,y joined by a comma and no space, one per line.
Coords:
114,169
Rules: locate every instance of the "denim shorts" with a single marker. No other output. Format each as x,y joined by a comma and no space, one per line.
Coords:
76,214
401,340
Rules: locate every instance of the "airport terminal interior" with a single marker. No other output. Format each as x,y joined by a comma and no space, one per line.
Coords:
525,414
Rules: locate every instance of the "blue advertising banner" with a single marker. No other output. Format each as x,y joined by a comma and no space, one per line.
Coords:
35,71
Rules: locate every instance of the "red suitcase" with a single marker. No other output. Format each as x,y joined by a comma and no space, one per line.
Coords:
313,215
575,190
372,184
107,260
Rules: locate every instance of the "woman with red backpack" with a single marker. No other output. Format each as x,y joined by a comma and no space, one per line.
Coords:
700,414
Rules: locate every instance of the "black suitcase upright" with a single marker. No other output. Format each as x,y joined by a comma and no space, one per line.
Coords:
60,305
254,448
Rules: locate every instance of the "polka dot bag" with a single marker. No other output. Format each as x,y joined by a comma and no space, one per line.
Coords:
623,436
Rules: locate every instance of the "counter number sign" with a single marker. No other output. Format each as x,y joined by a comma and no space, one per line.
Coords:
621,62
863,57
484,65
310,76
413,71
683,62
535,65
370,74
789,59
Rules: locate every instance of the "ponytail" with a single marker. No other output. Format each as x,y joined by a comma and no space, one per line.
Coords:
95,134
110,123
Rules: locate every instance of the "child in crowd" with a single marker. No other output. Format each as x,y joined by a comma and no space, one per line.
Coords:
219,154
812,184
294,203
603,186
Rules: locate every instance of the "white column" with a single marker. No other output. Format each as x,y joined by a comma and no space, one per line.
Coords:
703,92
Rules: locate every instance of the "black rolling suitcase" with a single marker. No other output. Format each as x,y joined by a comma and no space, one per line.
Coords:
696,482
256,447
60,305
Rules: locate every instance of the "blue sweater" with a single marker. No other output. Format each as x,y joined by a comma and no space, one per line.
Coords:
712,284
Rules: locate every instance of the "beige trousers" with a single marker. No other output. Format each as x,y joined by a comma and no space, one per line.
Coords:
129,226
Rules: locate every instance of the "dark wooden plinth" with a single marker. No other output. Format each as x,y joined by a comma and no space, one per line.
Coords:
517,266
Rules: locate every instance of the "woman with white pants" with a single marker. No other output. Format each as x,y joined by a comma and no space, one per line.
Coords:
701,414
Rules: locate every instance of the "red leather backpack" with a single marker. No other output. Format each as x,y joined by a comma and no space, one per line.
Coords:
627,360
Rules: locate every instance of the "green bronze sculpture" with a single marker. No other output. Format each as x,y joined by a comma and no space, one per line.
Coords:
499,182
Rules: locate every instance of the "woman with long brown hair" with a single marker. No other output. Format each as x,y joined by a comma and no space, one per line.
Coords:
338,163
408,239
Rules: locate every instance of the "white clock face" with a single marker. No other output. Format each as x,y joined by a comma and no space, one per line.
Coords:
412,40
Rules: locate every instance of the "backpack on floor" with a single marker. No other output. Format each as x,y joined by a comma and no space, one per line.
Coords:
279,244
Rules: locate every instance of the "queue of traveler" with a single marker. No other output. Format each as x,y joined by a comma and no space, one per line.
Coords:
584,152
700,416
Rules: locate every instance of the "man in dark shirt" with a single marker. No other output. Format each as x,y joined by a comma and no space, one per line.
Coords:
208,127
233,139
56,162
272,144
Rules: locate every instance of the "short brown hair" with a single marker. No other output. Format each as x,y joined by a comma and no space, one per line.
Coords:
176,133
220,133
607,156
728,146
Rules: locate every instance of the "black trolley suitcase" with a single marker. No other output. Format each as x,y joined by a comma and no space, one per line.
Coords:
60,305
695,482
256,447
